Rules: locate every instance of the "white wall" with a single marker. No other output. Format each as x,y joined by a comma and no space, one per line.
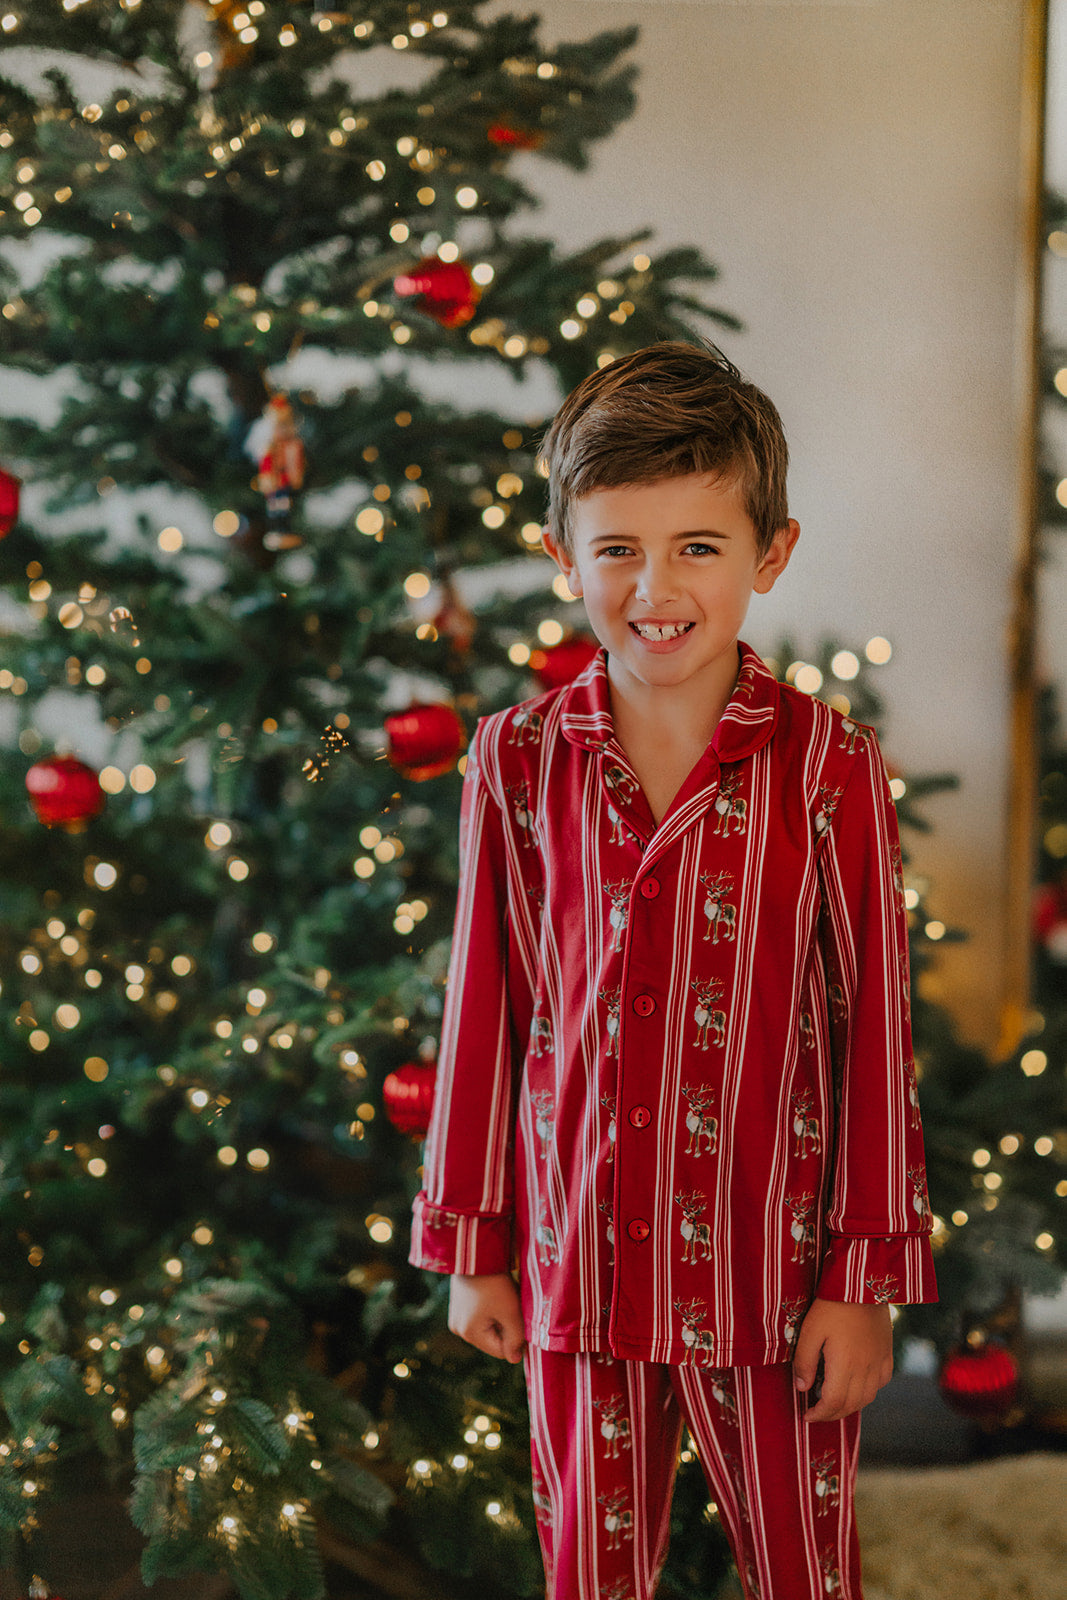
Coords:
854,171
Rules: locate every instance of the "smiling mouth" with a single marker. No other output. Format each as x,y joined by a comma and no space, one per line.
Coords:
660,630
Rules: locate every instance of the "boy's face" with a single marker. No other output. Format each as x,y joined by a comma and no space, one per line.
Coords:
666,571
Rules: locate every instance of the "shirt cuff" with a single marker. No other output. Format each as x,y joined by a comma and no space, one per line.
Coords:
459,1241
876,1270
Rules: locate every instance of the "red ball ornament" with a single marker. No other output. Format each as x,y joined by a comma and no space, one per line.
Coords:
444,290
9,501
980,1380
63,791
408,1096
507,136
424,741
561,663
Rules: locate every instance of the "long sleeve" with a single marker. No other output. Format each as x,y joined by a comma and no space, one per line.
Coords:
878,1221
463,1216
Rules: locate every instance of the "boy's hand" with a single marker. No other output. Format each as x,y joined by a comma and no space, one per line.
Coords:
856,1346
484,1309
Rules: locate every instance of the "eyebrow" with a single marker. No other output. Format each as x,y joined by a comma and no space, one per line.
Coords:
695,533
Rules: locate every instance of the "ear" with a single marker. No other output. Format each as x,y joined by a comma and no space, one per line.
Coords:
776,560
563,560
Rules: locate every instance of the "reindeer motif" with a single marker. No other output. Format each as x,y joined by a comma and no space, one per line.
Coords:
519,795
716,907
699,1097
621,1589
897,861
721,1383
884,1289
828,802
913,1090
827,1482
619,895
618,832
608,1102
807,1031
536,894
526,724
838,1003
730,806
547,1249
806,1128
801,1229
752,1579
541,1040
792,1312
831,1581
905,990
919,1202
604,1207
619,783
697,1234
614,1425
695,1337
709,1023
544,1119
541,1503
737,1473
612,999
856,736
618,1518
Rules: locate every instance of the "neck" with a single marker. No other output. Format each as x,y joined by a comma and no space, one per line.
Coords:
677,715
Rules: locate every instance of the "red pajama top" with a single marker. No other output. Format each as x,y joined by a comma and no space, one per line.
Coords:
676,1081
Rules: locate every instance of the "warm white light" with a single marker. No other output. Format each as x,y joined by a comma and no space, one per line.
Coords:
878,650
845,665
1033,1063
417,585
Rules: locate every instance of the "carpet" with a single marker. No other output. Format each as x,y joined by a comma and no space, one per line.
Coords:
996,1530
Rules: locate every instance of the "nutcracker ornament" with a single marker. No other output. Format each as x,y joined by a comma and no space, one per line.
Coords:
281,474
443,290
64,792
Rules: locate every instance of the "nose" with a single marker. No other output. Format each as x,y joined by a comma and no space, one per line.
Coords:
657,584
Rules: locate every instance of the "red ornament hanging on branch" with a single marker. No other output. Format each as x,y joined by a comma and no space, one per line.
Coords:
424,740
408,1096
507,136
980,1379
561,663
9,501
281,474
443,290
64,792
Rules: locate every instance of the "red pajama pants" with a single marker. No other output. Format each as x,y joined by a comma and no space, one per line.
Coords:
605,1439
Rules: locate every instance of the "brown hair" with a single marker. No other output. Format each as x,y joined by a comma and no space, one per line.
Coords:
664,412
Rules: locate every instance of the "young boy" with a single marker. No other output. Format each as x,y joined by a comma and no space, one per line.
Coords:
676,1085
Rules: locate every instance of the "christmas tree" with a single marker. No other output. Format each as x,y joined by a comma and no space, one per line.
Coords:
234,241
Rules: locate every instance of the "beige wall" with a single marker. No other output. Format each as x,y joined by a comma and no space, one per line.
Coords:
854,171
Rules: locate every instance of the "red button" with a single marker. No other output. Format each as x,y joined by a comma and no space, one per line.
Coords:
650,888
644,1005
638,1230
640,1117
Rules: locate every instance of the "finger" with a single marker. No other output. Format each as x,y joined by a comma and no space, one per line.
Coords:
835,1396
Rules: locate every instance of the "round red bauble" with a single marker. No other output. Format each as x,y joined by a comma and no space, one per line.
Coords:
979,1380
64,791
408,1096
424,741
9,501
505,135
561,663
444,290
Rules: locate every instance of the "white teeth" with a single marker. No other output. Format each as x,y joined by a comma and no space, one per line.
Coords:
652,630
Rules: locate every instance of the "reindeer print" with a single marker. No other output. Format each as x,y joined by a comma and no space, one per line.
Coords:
827,1482
737,1473
699,1097
618,1518
536,894
752,1579
541,1040
792,1315
619,783
828,802
884,1289
695,1337
605,1209
919,1202
730,806
621,1589
719,912
547,1249
838,1003
913,1090
612,999
614,1426
608,1102
831,1580
721,1383
897,862
544,1120
856,736
526,726
618,832
619,895
801,1230
711,1025
807,1031
519,795
805,1127
905,991
697,1234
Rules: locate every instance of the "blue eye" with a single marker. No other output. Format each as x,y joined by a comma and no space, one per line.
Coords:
703,549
